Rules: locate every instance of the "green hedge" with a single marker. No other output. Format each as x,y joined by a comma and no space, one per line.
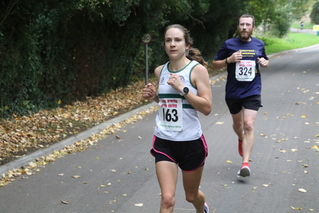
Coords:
55,52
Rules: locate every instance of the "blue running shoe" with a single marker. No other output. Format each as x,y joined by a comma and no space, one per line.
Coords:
206,208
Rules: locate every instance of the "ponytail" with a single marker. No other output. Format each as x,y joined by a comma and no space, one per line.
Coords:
195,54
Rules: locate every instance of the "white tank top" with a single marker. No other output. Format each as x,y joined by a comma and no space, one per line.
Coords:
176,119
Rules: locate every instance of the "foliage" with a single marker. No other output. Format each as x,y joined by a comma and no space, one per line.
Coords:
53,53
281,24
279,13
298,8
315,13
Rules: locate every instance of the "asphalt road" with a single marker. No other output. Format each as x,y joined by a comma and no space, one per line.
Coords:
308,31
117,175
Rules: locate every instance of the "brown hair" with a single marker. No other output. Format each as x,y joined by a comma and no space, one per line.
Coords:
195,54
192,53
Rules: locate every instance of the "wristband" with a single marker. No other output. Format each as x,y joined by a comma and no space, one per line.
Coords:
226,61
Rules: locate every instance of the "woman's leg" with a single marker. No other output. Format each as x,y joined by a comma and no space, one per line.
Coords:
191,182
167,173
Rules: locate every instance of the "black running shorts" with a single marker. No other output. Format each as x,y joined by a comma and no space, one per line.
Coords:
189,155
251,102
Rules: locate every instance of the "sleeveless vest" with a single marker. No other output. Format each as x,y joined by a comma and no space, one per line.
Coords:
176,119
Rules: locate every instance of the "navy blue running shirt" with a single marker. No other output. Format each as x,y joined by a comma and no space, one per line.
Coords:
250,50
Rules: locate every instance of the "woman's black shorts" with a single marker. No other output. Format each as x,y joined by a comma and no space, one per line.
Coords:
189,155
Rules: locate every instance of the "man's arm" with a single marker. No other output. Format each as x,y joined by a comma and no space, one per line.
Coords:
218,64
235,57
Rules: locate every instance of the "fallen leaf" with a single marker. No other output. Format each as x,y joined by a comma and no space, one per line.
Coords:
297,208
139,204
64,202
228,161
316,148
219,123
302,190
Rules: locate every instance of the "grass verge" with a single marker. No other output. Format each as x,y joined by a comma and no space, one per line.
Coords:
289,42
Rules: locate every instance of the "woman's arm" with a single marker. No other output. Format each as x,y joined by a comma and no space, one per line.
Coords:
200,78
149,91
204,100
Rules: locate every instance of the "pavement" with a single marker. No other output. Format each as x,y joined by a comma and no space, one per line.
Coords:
117,174
308,31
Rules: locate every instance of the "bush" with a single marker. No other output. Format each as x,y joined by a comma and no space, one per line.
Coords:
281,23
315,13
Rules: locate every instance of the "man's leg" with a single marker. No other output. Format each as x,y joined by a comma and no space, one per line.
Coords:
238,126
243,125
244,128
249,117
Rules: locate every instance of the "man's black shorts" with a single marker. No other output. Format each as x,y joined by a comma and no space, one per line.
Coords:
251,102
189,155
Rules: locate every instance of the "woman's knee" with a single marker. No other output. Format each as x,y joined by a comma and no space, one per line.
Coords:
168,200
190,197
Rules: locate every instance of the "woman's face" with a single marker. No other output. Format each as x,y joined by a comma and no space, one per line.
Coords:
175,46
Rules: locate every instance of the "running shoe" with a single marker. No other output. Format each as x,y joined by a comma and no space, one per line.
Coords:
244,170
206,208
240,147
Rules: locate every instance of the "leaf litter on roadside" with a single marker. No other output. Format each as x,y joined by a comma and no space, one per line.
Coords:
26,133
21,135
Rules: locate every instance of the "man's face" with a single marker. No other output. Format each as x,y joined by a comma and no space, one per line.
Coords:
245,28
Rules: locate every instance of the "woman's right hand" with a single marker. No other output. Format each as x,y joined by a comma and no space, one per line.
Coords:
149,92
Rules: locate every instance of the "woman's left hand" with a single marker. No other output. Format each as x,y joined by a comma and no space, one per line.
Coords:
175,81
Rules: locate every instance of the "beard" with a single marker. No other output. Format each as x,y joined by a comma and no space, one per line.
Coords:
244,35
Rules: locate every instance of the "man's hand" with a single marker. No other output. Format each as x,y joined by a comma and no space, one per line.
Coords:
262,62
